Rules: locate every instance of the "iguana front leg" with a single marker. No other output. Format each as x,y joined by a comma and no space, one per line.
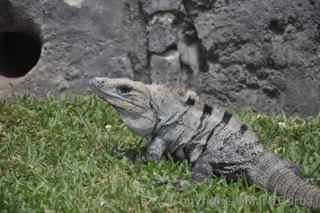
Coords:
155,149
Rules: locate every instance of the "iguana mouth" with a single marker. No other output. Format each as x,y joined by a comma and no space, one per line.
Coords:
112,97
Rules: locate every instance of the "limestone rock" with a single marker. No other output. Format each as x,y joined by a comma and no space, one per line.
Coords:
43,43
263,54
165,69
162,34
152,6
190,54
275,43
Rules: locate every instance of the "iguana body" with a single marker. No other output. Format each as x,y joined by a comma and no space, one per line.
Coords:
214,141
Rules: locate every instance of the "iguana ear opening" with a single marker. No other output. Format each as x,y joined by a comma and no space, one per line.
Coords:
191,98
190,101
207,109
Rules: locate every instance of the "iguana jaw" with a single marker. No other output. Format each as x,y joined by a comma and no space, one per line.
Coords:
119,102
131,99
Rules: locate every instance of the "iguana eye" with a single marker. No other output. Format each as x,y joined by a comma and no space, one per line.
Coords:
123,89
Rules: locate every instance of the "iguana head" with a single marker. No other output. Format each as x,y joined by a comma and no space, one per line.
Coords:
131,99
144,108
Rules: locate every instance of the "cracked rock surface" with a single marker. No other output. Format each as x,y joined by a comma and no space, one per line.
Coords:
258,54
264,54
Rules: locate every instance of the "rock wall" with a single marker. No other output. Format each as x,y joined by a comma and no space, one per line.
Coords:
78,39
261,54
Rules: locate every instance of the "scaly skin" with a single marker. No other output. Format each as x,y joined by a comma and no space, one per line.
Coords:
214,141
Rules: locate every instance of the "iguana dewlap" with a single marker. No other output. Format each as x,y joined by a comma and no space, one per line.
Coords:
211,138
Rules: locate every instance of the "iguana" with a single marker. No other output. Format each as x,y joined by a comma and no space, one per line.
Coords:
215,142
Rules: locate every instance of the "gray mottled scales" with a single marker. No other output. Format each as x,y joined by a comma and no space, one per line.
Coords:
215,142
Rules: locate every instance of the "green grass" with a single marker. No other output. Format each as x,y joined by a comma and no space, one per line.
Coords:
70,156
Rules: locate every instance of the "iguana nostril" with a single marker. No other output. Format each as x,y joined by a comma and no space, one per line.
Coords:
100,83
96,83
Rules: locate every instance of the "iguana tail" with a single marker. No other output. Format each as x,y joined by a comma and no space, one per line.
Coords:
282,177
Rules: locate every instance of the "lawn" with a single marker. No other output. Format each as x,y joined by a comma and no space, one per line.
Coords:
75,155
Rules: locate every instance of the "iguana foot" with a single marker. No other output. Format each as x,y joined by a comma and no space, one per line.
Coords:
152,157
156,149
182,184
201,172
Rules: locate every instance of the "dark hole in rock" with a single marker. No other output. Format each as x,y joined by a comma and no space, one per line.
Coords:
19,53
312,2
277,26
